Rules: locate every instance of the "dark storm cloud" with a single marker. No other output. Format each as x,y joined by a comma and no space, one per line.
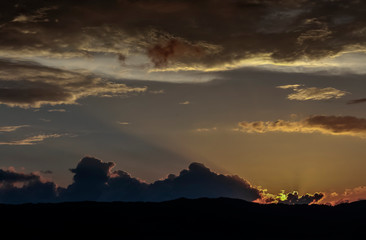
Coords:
184,32
26,84
355,101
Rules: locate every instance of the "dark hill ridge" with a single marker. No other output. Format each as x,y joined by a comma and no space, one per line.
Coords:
187,217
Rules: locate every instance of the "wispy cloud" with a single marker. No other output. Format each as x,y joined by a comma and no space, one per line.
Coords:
290,86
355,101
206,129
302,93
185,103
11,128
161,91
124,123
31,140
57,110
331,125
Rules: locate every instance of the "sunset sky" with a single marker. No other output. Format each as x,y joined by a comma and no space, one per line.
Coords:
271,91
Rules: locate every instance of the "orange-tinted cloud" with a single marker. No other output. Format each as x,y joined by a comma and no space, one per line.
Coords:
331,125
11,128
349,195
302,93
31,140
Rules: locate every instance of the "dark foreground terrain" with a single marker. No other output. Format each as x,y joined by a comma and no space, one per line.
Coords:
183,218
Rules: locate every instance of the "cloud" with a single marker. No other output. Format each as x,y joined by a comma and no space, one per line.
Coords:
175,49
355,101
184,33
206,129
95,180
90,180
185,103
26,85
57,110
295,198
199,181
31,140
11,128
312,93
18,187
124,123
330,125
10,176
290,198
349,195
290,86
161,91
31,192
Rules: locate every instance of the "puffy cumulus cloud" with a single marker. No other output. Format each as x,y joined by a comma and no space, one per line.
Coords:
18,187
26,84
10,176
290,198
312,93
295,198
90,180
31,192
31,140
332,125
95,180
199,181
179,32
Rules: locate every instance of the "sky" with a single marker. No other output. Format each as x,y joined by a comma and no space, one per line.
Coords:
146,98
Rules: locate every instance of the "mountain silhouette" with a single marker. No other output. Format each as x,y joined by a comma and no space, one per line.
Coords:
186,218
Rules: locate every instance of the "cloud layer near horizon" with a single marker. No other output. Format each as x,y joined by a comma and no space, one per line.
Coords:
332,125
95,180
